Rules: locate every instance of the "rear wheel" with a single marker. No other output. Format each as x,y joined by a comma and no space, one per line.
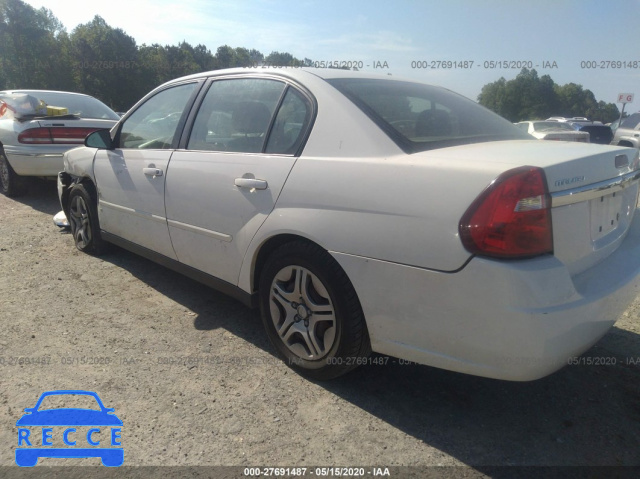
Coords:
11,184
311,312
83,220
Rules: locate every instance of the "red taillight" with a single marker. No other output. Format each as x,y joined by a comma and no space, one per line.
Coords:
57,135
35,136
511,218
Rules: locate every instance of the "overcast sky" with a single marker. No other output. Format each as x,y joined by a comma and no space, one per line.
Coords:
564,39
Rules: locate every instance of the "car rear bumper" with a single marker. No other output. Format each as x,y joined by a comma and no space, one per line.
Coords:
36,160
517,320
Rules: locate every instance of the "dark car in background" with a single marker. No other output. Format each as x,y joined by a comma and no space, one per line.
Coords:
598,132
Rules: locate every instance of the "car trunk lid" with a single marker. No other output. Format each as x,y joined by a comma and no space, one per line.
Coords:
593,189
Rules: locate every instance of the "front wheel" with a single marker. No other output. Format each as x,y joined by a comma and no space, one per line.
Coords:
311,312
11,184
83,220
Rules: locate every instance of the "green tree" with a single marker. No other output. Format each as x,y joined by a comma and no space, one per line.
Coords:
283,59
37,52
106,60
529,97
204,58
33,48
224,57
493,96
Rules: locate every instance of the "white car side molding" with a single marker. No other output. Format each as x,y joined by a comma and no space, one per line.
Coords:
196,229
106,204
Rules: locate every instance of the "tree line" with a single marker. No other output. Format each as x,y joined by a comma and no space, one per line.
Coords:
529,97
37,52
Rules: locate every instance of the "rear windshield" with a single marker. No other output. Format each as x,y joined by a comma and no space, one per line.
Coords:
421,117
31,104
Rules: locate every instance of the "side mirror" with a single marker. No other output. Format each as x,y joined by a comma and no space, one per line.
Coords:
99,139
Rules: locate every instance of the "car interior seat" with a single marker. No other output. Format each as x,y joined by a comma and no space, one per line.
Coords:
251,119
433,123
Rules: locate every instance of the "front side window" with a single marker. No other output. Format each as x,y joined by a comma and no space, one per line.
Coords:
153,125
420,117
235,115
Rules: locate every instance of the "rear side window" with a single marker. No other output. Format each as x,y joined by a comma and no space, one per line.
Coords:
290,125
236,115
420,117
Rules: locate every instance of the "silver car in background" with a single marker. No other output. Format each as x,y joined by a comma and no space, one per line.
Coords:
38,126
628,132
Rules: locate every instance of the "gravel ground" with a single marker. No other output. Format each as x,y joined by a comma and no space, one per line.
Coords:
196,383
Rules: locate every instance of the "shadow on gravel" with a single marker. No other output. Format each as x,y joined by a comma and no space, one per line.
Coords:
42,196
584,415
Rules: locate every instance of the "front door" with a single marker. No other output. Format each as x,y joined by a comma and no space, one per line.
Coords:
131,178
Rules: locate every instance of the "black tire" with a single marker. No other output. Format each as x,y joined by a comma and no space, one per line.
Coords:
11,184
83,220
311,312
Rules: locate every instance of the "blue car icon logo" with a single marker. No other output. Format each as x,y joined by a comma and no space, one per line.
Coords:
42,430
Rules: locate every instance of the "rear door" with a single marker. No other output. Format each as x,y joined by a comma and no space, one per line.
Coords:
225,182
131,178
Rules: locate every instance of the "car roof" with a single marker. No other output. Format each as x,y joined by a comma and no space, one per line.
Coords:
299,74
29,92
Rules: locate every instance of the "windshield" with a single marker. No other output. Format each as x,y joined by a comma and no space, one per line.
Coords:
420,117
551,126
23,104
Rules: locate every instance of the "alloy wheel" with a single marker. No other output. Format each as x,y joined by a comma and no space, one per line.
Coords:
302,312
80,222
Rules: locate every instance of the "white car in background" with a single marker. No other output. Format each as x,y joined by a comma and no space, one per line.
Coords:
553,130
364,212
38,126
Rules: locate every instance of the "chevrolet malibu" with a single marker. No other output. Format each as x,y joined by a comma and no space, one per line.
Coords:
365,213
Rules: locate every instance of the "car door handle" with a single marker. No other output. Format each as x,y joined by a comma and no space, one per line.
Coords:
152,171
251,183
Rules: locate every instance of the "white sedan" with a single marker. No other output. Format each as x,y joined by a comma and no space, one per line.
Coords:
553,130
365,213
